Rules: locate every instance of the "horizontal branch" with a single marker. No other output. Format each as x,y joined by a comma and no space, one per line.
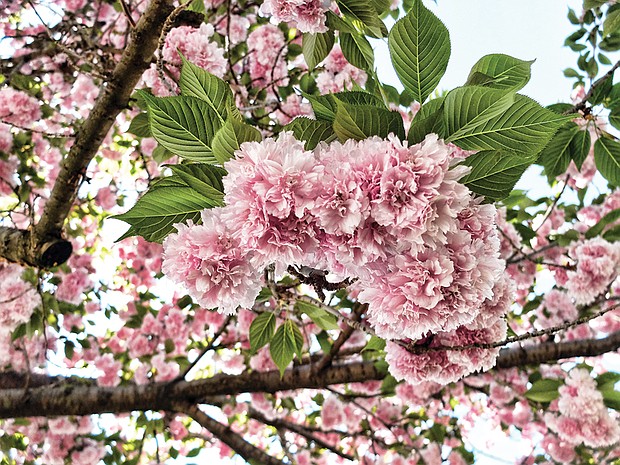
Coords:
552,351
73,397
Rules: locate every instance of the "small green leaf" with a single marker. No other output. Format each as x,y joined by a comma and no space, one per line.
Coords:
140,125
501,72
427,120
607,158
580,147
364,12
262,330
203,178
286,342
556,156
183,125
420,49
375,343
199,83
611,23
319,316
544,390
316,47
155,213
524,127
598,228
494,173
611,399
230,137
311,131
362,121
357,50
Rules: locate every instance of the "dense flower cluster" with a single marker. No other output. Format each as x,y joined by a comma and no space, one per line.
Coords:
424,252
18,299
306,15
583,417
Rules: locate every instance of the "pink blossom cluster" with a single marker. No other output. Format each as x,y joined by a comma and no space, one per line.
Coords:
338,74
267,56
18,299
197,46
597,266
305,15
18,108
424,252
583,417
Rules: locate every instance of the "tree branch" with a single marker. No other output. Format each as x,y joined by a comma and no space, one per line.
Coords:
32,247
74,397
552,351
227,435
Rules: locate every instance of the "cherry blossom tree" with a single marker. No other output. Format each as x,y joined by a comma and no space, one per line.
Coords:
222,236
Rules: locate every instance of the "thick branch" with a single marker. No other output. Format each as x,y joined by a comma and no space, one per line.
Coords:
29,247
227,435
19,246
72,399
75,398
552,351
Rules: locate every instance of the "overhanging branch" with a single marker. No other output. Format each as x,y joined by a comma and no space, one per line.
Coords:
42,246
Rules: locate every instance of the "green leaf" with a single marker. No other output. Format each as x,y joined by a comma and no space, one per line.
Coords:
364,12
544,390
420,49
611,23
500,72
589,4
199,83
580,147
556,156
607,381
494,173
311,131
611,399
468,109
613,235
607,158
261,330
161,154
316,47
155,213
375,343
427,120
598,228
287,341
230,137
525,127
324,106
357,50
203,178
183,125
362,121
319,316
140,125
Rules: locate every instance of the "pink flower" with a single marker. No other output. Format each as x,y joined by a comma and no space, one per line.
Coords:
339,74
72,286
268,190
332,413
18,299
598,262
211,264
8,171
305,15
19,108
267,50
196,45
